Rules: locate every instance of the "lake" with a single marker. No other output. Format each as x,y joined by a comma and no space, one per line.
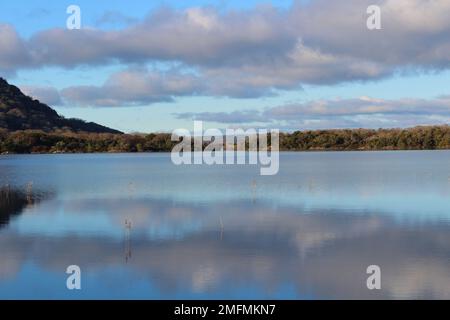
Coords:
225,232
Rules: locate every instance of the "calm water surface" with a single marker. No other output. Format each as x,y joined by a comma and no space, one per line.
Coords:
225,231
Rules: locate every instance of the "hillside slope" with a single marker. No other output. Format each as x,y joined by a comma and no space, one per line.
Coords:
20,112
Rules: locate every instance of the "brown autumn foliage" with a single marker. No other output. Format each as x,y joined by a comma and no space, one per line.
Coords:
36,141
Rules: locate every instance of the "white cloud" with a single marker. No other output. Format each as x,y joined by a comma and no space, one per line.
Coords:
248,53
339,113
132,88
13,51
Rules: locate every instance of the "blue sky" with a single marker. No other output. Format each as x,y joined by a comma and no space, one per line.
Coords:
291,65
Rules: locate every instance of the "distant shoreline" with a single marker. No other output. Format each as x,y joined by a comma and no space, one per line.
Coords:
168,152
40,142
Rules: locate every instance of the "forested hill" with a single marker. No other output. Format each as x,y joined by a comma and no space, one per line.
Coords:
20,112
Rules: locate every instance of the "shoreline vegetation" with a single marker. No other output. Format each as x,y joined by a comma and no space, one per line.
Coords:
417,138
12,202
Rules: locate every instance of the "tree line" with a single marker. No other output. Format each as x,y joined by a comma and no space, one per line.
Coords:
418,138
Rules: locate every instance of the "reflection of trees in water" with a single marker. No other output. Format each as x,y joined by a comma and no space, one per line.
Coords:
13,201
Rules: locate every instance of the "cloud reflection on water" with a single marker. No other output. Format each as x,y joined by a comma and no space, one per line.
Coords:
198,249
